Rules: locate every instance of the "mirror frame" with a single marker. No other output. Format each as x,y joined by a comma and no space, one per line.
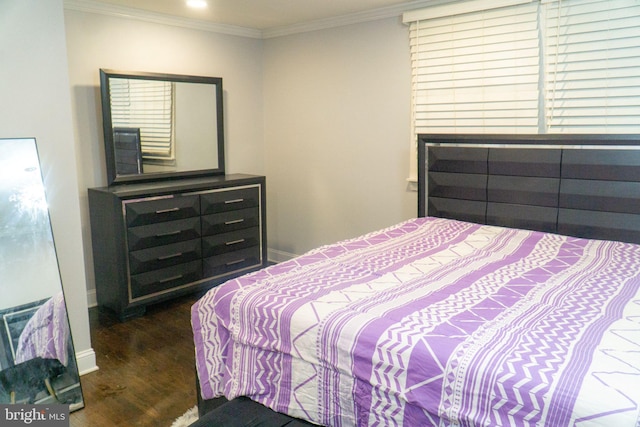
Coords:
112,176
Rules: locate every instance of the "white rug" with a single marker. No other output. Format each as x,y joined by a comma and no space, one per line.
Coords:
187,418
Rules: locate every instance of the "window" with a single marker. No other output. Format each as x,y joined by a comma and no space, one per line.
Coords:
593,66
476,71
147,105
526,66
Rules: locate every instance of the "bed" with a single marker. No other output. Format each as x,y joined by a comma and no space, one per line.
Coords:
512,299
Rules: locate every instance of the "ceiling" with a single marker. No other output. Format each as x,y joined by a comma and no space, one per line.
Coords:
263,14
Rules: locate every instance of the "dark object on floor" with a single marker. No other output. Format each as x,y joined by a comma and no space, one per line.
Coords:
30,378
243,412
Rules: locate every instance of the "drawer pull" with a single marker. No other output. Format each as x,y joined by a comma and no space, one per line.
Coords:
172,278
170,233
230,263
228,202
235,242
161,211
235,221
163,258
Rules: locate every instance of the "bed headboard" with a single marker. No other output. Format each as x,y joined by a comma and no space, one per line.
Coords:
577,185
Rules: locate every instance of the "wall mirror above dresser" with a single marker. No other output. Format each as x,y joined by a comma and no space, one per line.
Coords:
159,126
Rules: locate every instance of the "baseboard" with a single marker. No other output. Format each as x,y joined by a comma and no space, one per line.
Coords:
277,256
92,299
86,361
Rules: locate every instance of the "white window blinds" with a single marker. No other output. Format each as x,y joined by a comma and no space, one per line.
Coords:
147,105
476,70
593,66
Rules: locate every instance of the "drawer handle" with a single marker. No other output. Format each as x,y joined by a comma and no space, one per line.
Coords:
161,211
236,262
170,233
172,278
163,258
235,242
235,221
228,202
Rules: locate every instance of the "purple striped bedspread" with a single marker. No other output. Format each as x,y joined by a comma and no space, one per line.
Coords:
433,322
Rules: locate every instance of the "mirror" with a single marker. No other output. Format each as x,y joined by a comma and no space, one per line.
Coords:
37,359
161,126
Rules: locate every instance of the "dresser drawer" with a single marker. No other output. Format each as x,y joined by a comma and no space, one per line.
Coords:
230,221
229,200
228,242
163,233
161,210
164,256
231,261
148,284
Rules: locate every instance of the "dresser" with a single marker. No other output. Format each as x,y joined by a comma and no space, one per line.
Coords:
155,241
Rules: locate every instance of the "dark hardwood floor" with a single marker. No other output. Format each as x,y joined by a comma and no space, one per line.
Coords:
146,375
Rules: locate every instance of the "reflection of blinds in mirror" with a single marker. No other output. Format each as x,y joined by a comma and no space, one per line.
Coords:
147,105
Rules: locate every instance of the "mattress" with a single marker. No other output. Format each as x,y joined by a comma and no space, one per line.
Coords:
433,322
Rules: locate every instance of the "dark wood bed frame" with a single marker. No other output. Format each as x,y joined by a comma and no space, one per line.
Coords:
576,185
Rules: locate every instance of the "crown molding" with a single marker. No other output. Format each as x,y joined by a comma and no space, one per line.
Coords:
349,19
92,6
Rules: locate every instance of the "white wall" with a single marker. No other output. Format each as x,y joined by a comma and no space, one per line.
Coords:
97,41
337,116
34,84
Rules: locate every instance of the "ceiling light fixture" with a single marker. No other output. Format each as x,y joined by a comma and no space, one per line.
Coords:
197,4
